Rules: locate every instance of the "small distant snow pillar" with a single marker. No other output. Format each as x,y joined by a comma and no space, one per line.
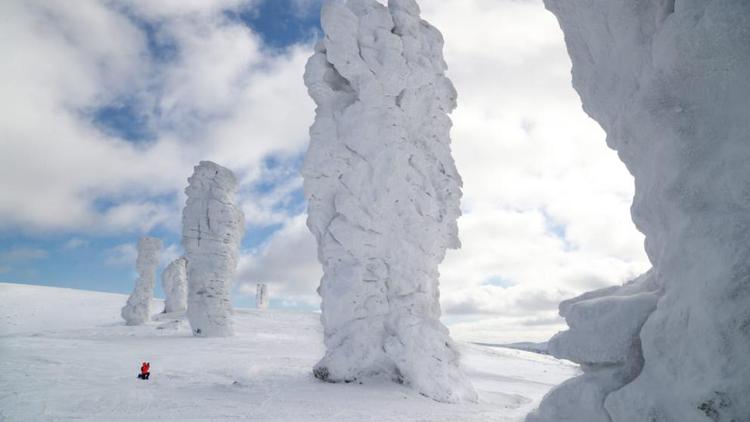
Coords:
174,283
261,296
212,229
138,309
384,196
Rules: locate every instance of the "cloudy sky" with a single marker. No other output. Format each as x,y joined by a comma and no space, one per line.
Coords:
107,106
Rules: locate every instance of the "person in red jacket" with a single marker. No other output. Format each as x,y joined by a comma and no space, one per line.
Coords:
145,368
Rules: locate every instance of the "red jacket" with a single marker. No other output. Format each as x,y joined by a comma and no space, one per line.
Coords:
145,367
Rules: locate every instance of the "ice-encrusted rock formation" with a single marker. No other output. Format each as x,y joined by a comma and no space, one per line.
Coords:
174,283
261,296
212,229
604,339
383,196
138,309
667,80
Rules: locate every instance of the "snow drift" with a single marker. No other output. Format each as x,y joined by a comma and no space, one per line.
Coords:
212,229
383,195
138,309
667,80
174,283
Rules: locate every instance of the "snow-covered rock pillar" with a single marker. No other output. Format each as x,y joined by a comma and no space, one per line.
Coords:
212,229
667,80
174,283
138,309
383,195
261,296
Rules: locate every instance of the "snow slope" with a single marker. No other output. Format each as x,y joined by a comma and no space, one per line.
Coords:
67,355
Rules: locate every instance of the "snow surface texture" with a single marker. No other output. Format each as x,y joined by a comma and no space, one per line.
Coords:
261,296
667,80
138,309
66,356
212,229
383,195
174,283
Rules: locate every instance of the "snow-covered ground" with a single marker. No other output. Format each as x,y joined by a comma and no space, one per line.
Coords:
67,354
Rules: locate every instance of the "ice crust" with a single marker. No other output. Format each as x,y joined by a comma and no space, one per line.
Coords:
212,229
667,80
174,283
383,194
137,311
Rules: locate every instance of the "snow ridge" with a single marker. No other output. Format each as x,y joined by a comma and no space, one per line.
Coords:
212,229
138,309
667,80
383,194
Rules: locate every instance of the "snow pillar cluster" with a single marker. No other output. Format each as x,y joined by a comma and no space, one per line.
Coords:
174,283
261,296
138,309
383,195
212,229
667,80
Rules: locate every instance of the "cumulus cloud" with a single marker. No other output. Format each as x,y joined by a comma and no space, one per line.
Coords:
546,204
122,255
199,80
287,264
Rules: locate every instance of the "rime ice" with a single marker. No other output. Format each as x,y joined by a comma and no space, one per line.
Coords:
667,80
138,309
383,196
212,228
174,283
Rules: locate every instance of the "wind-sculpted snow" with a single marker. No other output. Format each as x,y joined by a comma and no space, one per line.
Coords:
212,229
383,196
174,283
603,339
138,309
667,80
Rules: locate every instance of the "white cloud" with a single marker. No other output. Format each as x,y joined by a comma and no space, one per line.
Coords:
287,263
170,253
21,254
20,259
74,243
221,98
122,255
546,203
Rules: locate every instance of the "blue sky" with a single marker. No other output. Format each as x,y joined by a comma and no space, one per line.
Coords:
107,106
